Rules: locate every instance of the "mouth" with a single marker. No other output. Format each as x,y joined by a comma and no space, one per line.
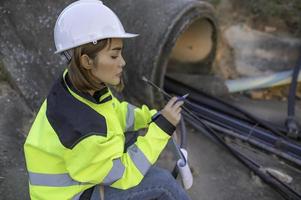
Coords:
119,74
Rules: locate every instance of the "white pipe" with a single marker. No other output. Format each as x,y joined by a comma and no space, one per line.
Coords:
183,166
276,79
184,169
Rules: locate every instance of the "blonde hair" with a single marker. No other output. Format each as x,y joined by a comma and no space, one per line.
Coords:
81,78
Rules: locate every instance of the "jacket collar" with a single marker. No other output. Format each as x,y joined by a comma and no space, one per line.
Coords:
99,97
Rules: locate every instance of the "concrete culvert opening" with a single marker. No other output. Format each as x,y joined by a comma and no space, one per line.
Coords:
190,61
191,54
192,46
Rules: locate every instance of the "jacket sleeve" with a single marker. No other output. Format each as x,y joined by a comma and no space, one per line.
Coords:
133,118
98,159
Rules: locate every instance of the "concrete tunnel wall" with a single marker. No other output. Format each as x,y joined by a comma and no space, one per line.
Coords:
171,40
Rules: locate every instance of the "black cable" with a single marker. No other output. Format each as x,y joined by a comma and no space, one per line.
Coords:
196,95
183,141
265,136
237,134
183,144
282,188
291,123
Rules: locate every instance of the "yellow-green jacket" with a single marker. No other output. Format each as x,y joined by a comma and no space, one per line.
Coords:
77,141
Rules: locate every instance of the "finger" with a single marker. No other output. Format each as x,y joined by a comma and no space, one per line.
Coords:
177,114
171,102
178,118
178,104
178,110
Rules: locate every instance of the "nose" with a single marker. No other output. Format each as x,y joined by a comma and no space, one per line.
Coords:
122,62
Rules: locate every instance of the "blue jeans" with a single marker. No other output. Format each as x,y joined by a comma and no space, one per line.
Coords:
158,184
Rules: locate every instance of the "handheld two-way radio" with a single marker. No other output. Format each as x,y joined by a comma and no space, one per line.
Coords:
181,153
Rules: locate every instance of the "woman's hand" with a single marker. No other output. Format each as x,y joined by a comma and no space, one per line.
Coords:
172,111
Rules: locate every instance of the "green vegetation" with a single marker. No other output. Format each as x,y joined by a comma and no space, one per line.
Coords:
3,74
289,12
214,2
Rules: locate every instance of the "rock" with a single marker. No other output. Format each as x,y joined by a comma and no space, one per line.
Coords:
256,94
258,53
280,175
269,29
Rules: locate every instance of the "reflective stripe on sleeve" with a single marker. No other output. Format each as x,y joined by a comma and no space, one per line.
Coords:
115,173
52,180
130,118
139,159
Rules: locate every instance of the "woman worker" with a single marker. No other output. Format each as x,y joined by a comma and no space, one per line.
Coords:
76,146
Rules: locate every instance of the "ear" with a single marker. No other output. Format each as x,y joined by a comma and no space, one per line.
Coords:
86,61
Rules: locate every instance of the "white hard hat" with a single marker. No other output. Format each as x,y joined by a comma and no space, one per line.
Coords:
86,21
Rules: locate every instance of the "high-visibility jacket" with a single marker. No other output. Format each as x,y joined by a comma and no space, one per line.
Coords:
77,142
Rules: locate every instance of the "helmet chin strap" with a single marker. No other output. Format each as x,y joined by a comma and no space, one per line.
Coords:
68,54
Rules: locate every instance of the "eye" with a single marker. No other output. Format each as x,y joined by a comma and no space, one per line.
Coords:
114,57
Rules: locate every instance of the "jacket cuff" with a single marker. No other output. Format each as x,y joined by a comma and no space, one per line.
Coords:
164,124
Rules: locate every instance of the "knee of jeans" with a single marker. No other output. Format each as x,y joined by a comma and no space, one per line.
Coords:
165,176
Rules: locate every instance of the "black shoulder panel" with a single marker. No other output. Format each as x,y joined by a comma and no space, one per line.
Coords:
71,119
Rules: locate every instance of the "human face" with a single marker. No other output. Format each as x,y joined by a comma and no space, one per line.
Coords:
109,63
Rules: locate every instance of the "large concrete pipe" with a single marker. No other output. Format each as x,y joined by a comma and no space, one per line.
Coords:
175,36
27,47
